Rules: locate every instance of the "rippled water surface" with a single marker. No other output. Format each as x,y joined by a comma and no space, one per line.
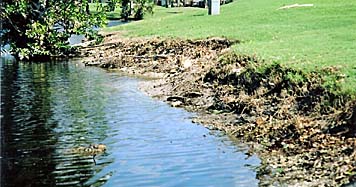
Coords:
48,109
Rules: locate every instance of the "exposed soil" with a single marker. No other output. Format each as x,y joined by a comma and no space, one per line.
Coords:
304,135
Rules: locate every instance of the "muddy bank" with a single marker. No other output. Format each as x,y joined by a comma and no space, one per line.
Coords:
304,134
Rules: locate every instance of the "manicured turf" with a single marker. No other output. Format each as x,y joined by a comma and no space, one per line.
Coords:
305,38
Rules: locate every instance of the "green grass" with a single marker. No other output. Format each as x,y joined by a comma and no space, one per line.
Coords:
110,15
307,38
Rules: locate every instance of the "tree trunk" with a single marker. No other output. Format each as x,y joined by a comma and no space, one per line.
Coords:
87,8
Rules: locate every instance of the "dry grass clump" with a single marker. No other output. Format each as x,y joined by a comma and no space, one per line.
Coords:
307,133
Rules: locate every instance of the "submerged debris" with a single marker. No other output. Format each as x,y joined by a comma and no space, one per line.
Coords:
305,134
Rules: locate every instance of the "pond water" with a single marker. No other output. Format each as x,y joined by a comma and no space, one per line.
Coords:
76,39
47,109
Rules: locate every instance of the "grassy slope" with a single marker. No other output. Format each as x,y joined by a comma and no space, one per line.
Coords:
305,38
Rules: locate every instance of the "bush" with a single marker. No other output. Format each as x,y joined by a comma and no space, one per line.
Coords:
42,28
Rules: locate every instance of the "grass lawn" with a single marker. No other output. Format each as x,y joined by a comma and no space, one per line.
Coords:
305,38
110,15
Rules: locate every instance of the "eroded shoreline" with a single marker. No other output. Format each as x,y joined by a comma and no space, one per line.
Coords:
305,135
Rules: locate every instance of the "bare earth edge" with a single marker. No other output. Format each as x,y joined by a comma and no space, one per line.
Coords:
304,135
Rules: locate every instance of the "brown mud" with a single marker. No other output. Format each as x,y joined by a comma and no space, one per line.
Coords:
304,134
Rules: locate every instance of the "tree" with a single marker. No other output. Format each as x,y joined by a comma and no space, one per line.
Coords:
125,9
140,7
41,28
112,5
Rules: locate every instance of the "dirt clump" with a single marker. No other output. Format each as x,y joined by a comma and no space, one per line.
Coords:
305,134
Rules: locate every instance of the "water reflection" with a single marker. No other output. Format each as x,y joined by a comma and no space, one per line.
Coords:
47,109
44,114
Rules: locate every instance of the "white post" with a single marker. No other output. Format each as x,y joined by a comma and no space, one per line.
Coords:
214,7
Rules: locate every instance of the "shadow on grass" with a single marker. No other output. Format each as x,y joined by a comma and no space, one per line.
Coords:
174,12
201,14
